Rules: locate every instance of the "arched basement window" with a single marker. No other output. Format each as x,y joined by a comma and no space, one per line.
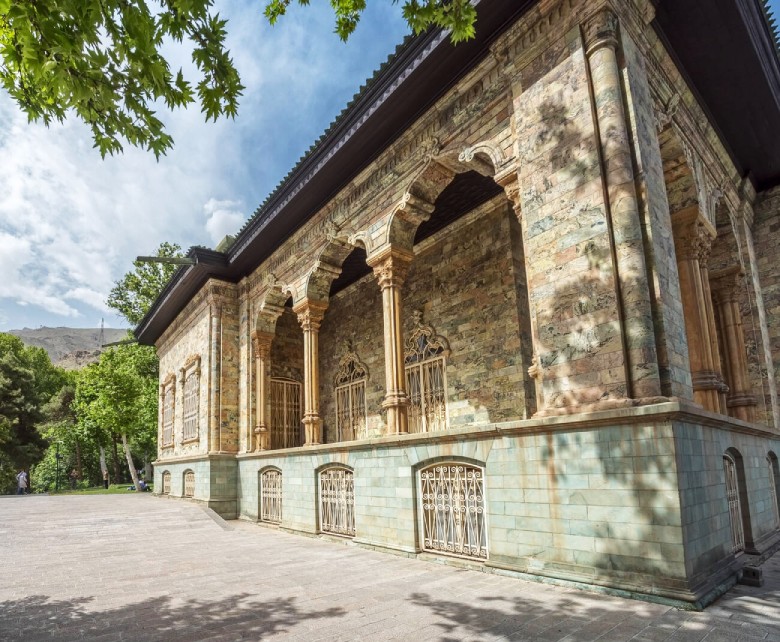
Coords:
166,483
189,484
452,502
426,381
271,496
735,507
337,501
285,413
350,382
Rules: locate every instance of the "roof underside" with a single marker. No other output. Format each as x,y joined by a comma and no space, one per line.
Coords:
726,50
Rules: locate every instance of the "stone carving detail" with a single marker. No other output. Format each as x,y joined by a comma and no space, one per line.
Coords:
707,191
601,30
423,342
664,114
350,368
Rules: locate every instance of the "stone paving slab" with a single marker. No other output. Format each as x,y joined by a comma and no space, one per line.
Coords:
137,567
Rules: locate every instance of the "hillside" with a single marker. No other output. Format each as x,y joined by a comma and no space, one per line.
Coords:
69,348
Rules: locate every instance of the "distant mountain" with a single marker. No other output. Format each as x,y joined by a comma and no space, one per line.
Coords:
70,348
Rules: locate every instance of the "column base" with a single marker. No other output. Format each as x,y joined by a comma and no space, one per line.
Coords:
397,406
262,438
313,429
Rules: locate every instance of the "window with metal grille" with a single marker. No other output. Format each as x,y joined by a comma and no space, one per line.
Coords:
452,500
189,484
426,378
191,404
350,381
772,465
166,483
337,501
285,413
735,508
271,496
169,393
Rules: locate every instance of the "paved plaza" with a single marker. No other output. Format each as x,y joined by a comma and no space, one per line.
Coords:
136,567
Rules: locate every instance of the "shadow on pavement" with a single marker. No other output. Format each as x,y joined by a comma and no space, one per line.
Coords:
154,619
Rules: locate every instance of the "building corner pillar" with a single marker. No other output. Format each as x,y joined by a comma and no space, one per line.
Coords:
601,40
391,266
310,314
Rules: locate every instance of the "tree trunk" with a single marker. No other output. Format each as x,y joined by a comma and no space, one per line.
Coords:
147,469
117,476
130,464
103,467
79,469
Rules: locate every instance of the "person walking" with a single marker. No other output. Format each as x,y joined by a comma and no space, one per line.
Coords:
21,483
105,479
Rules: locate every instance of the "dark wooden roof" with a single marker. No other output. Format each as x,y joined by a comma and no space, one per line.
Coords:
727,54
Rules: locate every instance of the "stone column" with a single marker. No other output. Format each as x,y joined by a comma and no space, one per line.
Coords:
623,219
740,401
310,314
215,374
391,266
261,348
693,239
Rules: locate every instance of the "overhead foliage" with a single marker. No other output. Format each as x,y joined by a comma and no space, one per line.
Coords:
102,59
459,16
136,291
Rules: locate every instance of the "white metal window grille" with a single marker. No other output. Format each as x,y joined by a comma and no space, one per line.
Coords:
168,401
426,381
773,491
189,484
337,502
271,496
285,413
453,510
735,509
191,405
166,483
351,409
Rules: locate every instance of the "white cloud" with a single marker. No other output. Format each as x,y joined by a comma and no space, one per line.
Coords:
223,218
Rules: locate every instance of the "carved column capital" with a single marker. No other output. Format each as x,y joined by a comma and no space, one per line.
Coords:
310,314
391,266
261,344
693,235
601,30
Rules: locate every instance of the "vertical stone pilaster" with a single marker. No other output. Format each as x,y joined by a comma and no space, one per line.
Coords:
391,266
635,308
693,240
310,315
215,372
261,350
740,401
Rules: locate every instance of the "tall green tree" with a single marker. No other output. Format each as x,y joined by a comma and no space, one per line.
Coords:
28,380
102,61
136,291
118,394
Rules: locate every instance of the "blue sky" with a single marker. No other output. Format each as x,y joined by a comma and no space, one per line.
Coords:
71,223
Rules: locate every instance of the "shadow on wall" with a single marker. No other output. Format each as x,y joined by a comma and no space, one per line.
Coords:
158,618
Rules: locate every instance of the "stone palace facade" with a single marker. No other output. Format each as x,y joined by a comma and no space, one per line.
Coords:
519,307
